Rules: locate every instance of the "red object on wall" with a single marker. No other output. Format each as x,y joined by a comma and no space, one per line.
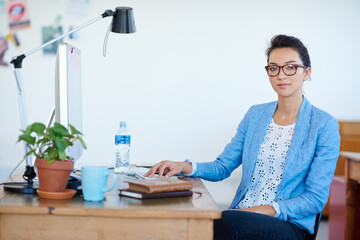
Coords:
17,14
337,203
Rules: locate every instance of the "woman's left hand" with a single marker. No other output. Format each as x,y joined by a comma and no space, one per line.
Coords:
265,209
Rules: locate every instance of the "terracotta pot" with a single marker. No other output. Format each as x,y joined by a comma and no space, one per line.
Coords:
55,176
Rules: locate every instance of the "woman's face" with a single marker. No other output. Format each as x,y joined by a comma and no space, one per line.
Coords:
287,86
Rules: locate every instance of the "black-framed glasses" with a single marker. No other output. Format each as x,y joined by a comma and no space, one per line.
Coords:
288,69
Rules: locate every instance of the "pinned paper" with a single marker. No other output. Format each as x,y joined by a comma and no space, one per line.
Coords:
74,35
12,37
3,49
49,33
18,14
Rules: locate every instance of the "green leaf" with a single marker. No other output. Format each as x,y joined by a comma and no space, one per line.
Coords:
74,130
60,129
39,128
51,154
62,155
82,142
28,130
43,141
52,134
50,161
52,142
61,144
27,138
28,153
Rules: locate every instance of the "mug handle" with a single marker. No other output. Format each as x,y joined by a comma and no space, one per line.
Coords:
113,184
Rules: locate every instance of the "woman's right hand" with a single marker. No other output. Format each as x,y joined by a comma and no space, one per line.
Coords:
169,168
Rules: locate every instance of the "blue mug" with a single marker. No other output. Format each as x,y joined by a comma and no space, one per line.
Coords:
94,180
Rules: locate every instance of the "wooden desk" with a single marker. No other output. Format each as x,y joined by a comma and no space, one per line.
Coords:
352,179
30,217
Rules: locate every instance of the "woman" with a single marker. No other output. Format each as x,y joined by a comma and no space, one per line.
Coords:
288,150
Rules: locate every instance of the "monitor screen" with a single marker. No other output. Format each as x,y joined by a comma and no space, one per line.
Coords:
68,92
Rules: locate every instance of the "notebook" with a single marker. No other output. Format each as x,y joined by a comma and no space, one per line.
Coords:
159,185
140,195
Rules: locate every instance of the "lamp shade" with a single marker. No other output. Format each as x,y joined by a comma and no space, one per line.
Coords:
123,20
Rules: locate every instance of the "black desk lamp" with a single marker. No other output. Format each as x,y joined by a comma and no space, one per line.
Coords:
122,22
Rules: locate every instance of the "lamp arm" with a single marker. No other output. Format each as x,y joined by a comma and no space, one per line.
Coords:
17,60
29,174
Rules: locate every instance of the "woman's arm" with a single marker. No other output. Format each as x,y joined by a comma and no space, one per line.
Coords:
265,209
169,168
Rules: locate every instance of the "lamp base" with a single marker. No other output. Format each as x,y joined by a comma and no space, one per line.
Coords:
21,187
30,188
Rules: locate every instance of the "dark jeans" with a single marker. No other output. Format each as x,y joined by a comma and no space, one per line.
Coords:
250,226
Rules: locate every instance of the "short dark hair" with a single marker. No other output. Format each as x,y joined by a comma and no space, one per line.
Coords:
284,41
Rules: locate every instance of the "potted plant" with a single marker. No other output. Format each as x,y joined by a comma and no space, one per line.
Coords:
49,145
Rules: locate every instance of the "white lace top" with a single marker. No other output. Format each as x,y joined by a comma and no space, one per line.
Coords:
269,167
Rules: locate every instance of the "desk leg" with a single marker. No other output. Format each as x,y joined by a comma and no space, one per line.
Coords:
357,218
351,188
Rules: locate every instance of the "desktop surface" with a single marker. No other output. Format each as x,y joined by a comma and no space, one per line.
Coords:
27,216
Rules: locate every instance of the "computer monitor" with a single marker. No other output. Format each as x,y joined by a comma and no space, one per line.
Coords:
68,107
68,92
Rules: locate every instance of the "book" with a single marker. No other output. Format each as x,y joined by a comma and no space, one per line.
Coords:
159,185
140,195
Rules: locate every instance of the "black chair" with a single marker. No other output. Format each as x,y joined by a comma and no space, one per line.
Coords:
316,228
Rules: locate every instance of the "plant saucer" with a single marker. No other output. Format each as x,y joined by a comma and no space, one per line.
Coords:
67,194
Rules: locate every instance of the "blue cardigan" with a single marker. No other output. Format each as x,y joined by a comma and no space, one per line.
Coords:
309,167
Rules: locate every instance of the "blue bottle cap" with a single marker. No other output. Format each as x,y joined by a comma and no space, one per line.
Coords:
123,124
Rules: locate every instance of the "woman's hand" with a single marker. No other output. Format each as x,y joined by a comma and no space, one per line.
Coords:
265,209
169,168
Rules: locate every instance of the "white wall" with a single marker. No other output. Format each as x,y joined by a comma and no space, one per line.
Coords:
186,78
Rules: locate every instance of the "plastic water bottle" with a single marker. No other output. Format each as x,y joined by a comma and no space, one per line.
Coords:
122,148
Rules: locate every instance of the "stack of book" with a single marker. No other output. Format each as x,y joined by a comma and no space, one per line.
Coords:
157,188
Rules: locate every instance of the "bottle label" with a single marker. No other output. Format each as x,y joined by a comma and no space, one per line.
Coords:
122,139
